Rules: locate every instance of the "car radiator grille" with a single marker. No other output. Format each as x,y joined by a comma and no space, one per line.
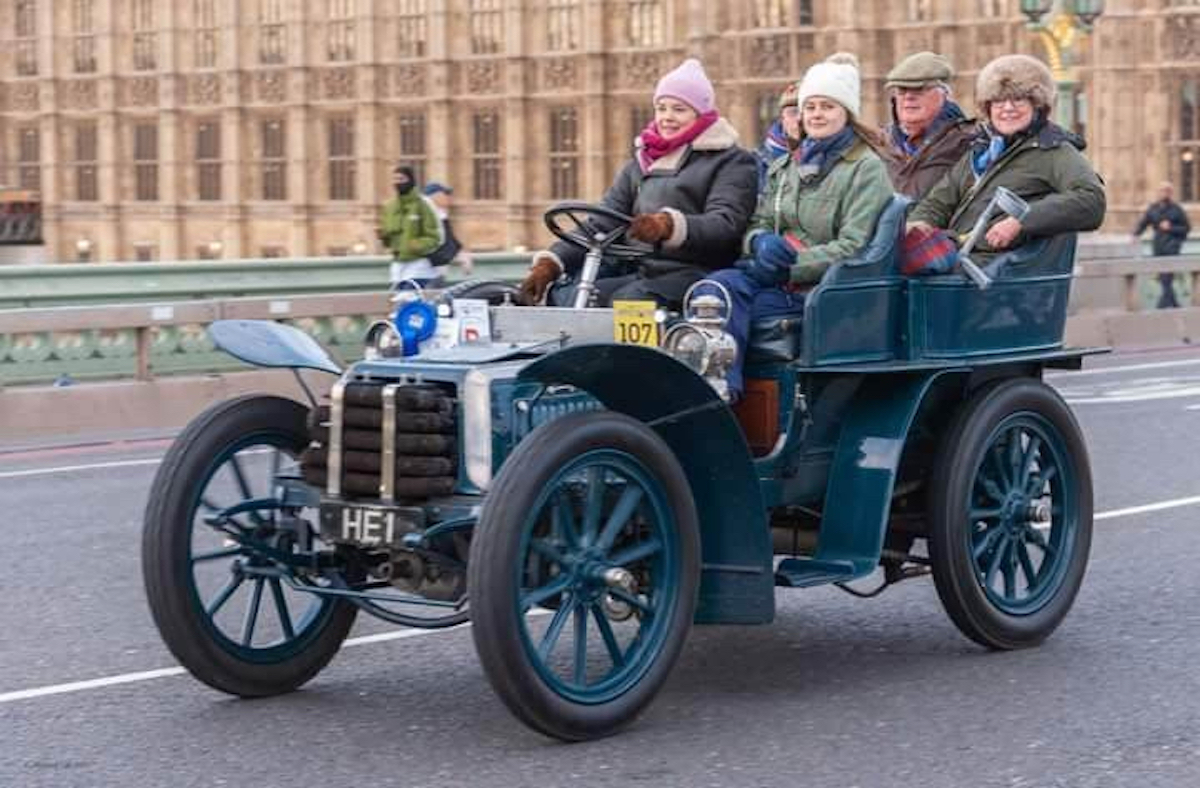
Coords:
391,442
555,406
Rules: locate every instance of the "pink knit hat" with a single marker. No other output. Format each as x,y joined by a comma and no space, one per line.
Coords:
689,84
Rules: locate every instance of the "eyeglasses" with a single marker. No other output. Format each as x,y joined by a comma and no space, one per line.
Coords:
1015,103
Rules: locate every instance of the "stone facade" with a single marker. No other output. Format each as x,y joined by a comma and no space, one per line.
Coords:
164,130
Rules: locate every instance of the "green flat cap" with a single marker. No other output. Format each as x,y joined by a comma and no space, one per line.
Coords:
921,68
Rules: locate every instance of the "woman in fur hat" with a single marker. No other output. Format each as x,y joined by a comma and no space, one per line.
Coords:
820,205
690,189
1022,150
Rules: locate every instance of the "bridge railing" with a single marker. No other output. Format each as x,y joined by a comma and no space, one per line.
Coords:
142,340
61,322
76,284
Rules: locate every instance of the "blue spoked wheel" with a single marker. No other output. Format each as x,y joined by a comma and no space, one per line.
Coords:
583,574
1010,514
221,600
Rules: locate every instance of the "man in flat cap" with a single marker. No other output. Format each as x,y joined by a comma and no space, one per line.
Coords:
929,132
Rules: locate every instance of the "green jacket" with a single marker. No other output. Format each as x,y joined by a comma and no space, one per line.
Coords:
409,227
834,215
1046,169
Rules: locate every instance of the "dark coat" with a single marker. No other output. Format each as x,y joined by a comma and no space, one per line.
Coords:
709,188
1166,242
914,175
1045,168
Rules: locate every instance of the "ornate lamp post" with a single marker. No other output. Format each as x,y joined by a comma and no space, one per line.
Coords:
1069,21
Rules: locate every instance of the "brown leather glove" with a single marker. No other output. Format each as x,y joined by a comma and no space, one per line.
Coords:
651,228
541,274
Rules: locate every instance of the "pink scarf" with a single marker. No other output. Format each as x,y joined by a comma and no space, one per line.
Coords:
654,146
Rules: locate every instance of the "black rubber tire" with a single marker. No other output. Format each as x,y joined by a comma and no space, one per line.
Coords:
958,457
166,544
494,554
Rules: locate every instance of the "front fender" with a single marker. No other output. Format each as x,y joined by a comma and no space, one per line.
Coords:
737,581
265,343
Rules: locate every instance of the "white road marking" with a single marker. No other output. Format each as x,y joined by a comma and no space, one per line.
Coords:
74,468
1149,507
101,465
1126,368
161,673
148,675
1145,396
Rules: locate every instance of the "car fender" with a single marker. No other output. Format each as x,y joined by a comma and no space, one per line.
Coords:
265,343
737,581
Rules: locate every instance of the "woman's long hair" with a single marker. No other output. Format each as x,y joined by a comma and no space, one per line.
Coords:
870,136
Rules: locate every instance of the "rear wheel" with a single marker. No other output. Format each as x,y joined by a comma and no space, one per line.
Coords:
227,611
583,574
1010,514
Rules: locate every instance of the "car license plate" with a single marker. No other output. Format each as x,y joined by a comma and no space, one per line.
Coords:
634,323
366,525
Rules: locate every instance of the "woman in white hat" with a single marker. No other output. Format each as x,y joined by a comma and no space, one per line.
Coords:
820,205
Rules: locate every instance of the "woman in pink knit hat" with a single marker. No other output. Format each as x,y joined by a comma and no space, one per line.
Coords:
690,189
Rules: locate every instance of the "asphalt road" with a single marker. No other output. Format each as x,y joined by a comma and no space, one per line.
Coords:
838,692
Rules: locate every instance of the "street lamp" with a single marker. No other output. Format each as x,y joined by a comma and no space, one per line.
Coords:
1070,20
83,250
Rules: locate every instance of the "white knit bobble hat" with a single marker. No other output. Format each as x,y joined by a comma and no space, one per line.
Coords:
837,78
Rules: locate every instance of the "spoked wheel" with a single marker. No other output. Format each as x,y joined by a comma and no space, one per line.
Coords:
1011,515
583,574
217,546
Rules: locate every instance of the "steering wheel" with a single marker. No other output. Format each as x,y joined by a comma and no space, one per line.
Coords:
570,222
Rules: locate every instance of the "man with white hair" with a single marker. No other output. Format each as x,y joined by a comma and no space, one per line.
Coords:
929,132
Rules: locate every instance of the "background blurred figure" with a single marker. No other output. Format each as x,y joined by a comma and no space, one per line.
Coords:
1171,228
452,251
410,229
929,132
782,137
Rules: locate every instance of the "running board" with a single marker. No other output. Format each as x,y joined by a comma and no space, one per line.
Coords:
804,572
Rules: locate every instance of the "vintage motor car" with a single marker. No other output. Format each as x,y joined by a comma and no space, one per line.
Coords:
585,501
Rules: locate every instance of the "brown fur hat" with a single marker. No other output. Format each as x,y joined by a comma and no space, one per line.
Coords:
1015,76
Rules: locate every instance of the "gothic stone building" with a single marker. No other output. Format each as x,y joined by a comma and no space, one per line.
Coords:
172,129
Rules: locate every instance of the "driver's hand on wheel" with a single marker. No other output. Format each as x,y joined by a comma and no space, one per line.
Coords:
651,228
542,273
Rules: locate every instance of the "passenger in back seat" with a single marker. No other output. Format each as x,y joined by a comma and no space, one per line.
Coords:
820,205
1024,151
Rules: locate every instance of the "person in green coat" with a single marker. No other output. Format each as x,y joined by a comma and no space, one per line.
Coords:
410,229
1022,150
820,205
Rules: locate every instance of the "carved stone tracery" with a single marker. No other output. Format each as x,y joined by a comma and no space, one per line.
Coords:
559,74
483,76
1183,37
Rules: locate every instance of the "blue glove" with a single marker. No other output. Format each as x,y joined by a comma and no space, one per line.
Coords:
773,260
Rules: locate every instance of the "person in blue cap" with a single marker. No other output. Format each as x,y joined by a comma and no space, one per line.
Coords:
452,250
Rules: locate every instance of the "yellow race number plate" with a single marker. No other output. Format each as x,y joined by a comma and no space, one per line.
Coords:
634,324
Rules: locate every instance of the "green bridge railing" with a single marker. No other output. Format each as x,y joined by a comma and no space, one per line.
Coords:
74,284
123,320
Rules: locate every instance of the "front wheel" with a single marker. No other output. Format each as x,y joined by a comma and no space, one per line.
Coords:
216,550
1010,514
584,572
